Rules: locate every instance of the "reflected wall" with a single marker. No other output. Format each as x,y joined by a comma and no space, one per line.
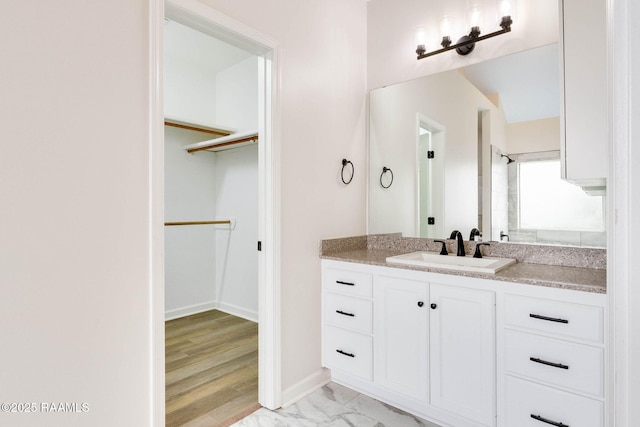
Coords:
450,100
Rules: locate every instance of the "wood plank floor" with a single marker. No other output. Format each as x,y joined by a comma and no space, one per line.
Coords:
211,369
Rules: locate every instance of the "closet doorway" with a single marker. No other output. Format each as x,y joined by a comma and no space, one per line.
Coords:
220,236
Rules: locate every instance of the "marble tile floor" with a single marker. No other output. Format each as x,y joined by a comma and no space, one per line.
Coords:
334,406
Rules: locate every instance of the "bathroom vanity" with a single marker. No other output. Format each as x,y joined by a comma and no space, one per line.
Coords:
525,346
519,348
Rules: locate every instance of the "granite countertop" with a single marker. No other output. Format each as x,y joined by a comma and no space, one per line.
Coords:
555,276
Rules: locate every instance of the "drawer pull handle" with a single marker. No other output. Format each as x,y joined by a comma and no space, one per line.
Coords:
340,282
550,319
544,420
345,353
544,362
344,313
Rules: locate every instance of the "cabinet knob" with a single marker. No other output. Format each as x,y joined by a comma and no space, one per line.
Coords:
434,306
420,303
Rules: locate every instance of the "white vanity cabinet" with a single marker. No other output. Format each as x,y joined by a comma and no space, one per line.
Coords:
433,343
402,336
348,321
553,359
584,95
462,352
465,352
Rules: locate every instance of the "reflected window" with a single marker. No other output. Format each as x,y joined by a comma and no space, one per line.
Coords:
545,201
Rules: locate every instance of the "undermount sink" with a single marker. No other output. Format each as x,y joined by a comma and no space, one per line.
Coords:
452,262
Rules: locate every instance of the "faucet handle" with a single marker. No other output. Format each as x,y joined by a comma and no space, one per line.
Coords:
443,251
478,254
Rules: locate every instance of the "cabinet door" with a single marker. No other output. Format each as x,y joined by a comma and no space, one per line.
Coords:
462,342
584,56
402,328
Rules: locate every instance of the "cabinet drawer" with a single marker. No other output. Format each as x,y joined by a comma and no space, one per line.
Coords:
526,400
348,282
556,362
349,312
349,352
571,320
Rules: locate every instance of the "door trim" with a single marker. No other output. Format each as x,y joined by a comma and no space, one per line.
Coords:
203,18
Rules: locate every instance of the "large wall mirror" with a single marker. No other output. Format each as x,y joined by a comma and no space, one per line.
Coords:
478,147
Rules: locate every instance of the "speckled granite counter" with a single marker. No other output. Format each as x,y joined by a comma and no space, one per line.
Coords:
566,269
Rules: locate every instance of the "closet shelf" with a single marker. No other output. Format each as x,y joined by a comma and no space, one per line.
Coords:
235,140
199,127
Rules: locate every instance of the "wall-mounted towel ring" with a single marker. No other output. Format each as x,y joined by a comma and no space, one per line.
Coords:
346,162
385,170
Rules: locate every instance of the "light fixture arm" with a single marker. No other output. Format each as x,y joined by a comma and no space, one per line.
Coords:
466,43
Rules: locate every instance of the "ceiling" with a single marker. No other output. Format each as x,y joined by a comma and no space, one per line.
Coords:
528,83
187,45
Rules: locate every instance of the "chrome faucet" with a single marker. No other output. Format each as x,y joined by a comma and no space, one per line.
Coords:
455,234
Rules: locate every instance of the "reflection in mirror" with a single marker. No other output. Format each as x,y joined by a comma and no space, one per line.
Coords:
499,219
430,196
543,208
443,101
472,121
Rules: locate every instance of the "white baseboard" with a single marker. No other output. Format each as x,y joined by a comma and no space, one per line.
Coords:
189,310
238,311
307,386
211,305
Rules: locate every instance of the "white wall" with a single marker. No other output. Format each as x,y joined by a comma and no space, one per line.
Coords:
322,121
634,215
533,136
625,177
450,100
74,184
190,251
391,33
236,192
237,95
188,92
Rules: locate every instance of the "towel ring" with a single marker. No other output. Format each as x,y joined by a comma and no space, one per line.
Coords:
385,170
346,162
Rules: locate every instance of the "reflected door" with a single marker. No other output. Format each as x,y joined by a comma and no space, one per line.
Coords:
430,174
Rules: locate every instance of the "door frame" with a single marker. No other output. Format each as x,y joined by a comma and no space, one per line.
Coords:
203,18
438,138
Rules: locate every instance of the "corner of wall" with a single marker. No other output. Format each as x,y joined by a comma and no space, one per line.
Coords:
306,386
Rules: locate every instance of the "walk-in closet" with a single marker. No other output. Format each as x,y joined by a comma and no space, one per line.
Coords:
211,95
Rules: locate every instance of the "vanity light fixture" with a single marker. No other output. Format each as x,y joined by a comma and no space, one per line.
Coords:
467,43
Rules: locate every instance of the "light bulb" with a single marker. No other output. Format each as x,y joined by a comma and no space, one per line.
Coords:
505,8
419,40
420,37
445,26
475,16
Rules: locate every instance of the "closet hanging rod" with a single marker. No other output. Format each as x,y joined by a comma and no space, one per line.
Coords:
225,142
222,221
